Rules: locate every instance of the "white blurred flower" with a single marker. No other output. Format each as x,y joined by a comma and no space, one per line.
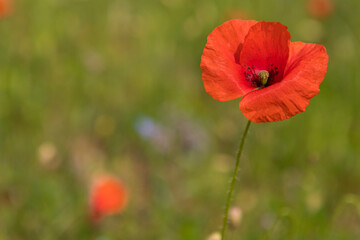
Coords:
235,216
214,236
46,154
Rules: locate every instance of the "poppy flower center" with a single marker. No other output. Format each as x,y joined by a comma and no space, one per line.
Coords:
261,78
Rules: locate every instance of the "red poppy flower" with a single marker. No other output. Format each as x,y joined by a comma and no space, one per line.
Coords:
256,60
5,7
108,196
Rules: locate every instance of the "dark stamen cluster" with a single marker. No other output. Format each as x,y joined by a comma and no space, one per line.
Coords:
274,70
253,78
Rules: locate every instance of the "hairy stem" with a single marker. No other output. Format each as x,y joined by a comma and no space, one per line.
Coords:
232,182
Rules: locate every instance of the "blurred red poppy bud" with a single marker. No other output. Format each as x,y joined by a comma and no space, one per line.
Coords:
5,7
236,14
108,196
320,8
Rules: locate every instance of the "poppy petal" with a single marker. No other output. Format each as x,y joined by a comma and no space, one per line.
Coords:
266,45
222,75
303,75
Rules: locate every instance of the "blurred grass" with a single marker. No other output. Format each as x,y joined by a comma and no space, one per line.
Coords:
84,76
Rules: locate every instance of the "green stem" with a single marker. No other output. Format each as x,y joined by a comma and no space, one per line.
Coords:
232,183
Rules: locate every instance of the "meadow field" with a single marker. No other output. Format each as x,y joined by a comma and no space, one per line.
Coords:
90,87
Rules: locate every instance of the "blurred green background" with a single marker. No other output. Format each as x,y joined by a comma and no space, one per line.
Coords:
114,86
